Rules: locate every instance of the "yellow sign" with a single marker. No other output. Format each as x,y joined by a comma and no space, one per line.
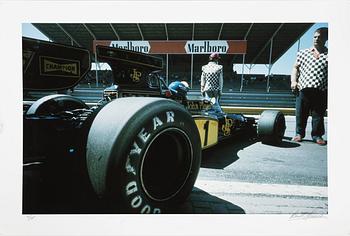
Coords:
208,131
226,128
135,75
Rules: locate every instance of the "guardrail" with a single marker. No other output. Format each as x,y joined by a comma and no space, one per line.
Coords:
228,99
257,110
232,102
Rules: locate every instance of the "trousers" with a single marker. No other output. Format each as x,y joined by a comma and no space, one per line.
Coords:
311,101
214,94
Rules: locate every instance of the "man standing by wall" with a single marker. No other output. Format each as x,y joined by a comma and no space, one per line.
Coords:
310,77
212,80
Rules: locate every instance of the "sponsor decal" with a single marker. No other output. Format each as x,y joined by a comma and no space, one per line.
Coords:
133,188
27,57
50,66
135,75
59,67
226,128
206,47
138,46
208,131
198,105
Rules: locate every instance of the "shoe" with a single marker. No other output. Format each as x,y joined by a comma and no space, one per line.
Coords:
297,138
319,140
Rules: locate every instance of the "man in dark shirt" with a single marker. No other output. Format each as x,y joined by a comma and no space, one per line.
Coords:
310,78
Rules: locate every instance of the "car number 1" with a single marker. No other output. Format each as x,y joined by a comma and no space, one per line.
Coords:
208,131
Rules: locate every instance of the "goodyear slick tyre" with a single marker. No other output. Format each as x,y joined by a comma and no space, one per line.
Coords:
143,154
55,103
271,127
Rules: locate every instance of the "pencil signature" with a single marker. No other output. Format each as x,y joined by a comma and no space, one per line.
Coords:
30,218
309,215
305,216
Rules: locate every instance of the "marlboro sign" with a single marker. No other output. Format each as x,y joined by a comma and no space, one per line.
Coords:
138,46
206,47
179,47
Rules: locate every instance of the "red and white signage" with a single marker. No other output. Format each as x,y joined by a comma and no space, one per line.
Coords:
206,47
179,47
138,46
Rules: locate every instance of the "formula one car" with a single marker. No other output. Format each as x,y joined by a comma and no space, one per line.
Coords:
136,151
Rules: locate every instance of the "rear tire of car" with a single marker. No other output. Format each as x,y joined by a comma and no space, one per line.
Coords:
271,127
53,104
143,154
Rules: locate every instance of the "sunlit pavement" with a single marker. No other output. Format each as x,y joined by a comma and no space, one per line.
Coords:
247,177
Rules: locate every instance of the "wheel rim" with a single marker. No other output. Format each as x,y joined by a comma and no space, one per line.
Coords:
166,164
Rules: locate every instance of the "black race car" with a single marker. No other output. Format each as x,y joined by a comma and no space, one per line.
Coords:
137,151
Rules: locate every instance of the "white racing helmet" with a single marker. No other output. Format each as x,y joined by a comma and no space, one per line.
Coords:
185,84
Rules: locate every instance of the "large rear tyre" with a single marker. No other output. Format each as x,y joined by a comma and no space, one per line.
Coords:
143,154
53,104
271,127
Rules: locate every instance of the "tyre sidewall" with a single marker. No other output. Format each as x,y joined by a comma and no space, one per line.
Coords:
270,128
58,101
123,178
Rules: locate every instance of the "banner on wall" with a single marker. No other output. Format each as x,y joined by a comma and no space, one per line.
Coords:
179,47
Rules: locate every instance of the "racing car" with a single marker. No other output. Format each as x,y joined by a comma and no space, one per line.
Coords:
138,150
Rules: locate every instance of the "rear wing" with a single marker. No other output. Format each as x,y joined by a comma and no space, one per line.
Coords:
50,66
130,68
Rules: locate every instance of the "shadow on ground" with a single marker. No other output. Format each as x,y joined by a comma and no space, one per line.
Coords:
229,148
38,200
201,202
286,144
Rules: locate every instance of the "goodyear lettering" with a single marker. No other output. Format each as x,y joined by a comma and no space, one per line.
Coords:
146,209
128,166
132,189
156,122
156,210
144,136
50,66
136,201
170,116
136,149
